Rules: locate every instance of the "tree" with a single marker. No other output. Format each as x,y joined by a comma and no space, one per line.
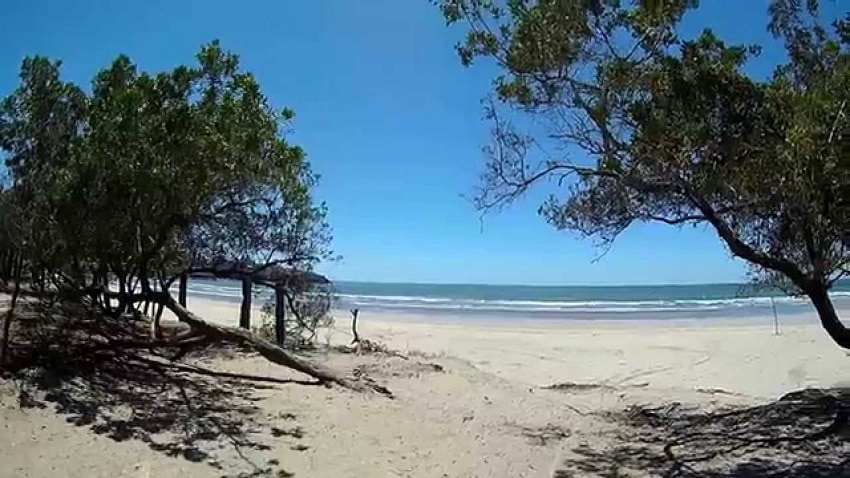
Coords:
115,194
39,127
636,124
40,130
159,173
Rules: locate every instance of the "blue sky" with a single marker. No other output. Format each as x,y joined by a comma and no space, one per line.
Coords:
392,123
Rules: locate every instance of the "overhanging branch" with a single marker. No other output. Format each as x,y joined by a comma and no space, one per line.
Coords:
741,249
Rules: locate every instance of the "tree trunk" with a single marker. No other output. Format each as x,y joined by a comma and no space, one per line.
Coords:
7,323
123,289
181,293
245,311
279,316
156,330
265,348
828,317
103,280
8,264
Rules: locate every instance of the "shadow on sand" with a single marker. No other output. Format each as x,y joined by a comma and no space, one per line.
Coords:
803,434
128,394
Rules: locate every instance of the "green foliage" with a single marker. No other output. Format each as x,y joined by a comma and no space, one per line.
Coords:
155,173
672,129
40,132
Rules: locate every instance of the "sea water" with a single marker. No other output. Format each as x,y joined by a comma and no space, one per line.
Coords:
567,302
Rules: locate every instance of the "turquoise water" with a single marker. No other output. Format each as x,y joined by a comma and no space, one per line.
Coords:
574,302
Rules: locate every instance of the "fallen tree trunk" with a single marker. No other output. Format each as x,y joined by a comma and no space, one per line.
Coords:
268,350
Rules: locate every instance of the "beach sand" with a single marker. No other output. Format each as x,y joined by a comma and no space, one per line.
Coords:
469,401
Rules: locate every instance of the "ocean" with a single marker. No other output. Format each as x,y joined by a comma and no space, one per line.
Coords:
565,302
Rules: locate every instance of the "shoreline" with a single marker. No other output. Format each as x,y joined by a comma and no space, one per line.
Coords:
443,303
670,356
520,321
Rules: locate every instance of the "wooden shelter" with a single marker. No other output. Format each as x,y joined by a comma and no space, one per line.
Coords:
277,277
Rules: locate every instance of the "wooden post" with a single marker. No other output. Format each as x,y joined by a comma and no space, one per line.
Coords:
279,315
775,317
181,293
354,314
245,312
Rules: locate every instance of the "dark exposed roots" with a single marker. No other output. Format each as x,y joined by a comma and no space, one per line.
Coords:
43,327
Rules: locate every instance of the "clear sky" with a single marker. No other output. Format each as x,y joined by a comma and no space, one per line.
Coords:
392,123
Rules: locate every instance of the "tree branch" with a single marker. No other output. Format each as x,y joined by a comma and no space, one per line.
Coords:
743,250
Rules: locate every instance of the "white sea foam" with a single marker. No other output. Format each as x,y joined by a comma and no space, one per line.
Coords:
230,291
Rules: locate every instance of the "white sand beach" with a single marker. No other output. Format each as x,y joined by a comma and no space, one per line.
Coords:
468,400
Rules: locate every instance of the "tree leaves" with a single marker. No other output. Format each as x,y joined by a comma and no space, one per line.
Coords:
155,172
673,130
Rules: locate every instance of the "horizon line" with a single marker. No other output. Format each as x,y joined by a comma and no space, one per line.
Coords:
679,284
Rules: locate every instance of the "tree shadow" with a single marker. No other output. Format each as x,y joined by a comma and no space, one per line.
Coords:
803,434
132,394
